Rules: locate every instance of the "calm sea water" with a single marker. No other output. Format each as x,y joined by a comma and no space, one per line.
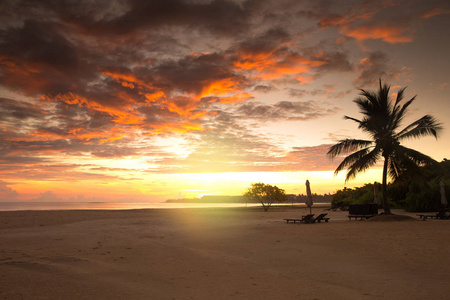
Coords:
11,206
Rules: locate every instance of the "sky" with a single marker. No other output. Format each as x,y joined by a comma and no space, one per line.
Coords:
139,100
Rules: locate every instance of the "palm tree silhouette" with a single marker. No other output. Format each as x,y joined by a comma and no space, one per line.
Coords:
381,121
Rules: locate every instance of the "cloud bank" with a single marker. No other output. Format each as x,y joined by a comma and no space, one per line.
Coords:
87,82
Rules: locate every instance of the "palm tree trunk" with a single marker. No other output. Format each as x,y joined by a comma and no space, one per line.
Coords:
386,208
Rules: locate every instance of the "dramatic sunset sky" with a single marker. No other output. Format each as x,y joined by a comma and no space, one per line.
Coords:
145,100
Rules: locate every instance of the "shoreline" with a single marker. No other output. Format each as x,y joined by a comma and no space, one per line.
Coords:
40,218
34,218
221,253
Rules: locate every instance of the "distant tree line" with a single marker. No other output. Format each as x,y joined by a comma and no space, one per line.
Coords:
325,198
211,199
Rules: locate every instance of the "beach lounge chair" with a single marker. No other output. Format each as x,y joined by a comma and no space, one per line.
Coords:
320,218
305,219
362,211
439,216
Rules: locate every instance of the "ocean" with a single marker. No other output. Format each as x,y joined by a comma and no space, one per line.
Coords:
14,206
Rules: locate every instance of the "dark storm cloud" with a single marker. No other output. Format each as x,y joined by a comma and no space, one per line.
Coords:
192,73
39,43
70,60
265,42
125,17
13,111
335,62
48,39
223,17
102,78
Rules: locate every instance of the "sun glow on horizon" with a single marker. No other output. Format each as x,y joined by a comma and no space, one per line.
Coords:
160,187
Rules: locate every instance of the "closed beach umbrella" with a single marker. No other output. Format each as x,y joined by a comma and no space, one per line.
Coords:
376,191
309,200
443,199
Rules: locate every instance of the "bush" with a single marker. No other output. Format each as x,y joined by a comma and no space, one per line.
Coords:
358,195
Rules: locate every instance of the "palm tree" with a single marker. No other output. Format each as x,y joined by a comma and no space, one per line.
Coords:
381,122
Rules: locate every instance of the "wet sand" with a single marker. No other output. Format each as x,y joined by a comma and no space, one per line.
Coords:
220,253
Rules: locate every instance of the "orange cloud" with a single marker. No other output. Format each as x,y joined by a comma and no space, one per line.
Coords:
127,84
130,80
183,127
122,77
239,97
220,87
365,11
270,66
435,12
185,107
124,115
304,79
153,97
227,90
366,62
346,19
389,34
350,25
257,62
313,63
111,135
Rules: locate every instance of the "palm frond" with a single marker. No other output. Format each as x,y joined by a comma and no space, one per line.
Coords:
369,103
346,146
394,168
351,159
415,156
398,167
372,126
425,126
399,96
383,98
399,113
360,162
407,160
353,119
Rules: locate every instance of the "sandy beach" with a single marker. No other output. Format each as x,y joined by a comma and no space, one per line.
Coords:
240,253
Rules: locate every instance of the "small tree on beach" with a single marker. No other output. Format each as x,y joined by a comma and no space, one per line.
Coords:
266,194
381,121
